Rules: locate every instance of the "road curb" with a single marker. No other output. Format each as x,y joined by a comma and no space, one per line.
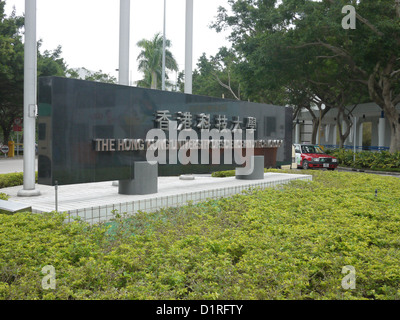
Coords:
369,171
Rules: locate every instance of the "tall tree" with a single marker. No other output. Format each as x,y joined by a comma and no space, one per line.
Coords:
11,70
50,63
150,61
85,74
217,76
368,55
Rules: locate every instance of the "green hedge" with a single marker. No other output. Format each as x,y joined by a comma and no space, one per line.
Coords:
12,179
284,243
228,173
223,174
382,160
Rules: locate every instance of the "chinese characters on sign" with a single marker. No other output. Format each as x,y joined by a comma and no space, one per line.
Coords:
203,121
163,118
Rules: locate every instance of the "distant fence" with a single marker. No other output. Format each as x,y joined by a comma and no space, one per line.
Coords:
358,148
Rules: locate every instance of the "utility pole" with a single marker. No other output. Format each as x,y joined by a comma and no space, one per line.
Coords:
164,40
124,31
124,28
355,139
30,103
189,46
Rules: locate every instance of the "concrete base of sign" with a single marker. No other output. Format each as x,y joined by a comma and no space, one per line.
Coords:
29,193
14,207
186,177
258,170
145,181
96,202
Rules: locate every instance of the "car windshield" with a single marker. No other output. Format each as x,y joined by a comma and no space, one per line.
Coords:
311,149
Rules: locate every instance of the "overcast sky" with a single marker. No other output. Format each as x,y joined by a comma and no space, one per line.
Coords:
88,30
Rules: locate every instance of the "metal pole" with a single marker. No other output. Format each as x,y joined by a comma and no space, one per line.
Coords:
319,126
164,40
124,28
30,108
189,46
56,194
355,135
124,34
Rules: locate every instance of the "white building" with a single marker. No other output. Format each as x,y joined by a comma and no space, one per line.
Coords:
367,116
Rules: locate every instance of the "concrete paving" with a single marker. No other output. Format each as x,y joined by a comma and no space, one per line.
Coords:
95,202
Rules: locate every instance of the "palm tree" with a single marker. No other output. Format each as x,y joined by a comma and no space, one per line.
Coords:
150,61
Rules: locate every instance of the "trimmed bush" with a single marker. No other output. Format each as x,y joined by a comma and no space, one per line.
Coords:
12,179
223,174
383,160
290,242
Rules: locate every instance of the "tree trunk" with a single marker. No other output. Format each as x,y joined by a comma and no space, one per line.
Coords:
380,86
316,122
6,136
395,136
393,117
343,135
153,80
315,131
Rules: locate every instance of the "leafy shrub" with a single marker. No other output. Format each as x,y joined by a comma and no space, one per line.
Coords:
286,243
223,174
3,196
227,173
368,159
12,179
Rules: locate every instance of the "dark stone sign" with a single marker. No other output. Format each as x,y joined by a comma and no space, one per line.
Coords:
91,131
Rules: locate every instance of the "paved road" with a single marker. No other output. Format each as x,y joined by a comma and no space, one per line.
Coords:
11,165
391,174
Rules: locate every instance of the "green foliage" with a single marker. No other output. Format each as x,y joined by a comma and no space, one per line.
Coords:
284,243
11,70
223,174
49,63
12,179
218,76
91,76
3,196
367,159
297,53
150,61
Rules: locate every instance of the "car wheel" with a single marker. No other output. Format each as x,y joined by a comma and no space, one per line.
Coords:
305,165
331,169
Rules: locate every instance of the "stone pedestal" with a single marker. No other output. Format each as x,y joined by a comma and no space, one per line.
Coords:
258,169
145,181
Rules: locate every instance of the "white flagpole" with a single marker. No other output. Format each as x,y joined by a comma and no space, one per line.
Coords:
189,46
164,40
30,103
124,28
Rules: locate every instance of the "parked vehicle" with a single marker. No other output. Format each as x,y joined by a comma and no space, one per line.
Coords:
19,149
310,156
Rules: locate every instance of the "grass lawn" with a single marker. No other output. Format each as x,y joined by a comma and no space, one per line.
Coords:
291,242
